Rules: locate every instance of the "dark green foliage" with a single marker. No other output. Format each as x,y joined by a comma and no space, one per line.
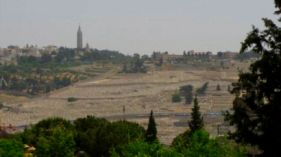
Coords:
56,137
257,108
89,122
97,136
51,137
28,79
151,132
278,6
71,99
182,140
22,78
218,88
196,122
136,65
59,83
144,149
201,146
202,90
228,88
59,142
43,128
11,148
247,56
186,91
176,98
87,134
104,55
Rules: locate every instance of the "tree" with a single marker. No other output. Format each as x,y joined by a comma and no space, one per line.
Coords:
44,128
257,108
202,145
59,142
196,122
228,88
182,140
144,149
186,91
11,148
278,5
151,132
176,97
97,137
218,87
202,90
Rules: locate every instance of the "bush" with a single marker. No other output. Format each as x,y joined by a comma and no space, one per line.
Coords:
176,98
186,91
72,99
218,87
11,148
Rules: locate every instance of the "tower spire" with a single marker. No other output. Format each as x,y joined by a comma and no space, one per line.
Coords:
79,38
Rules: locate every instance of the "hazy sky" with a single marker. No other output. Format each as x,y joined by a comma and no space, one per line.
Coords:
133,26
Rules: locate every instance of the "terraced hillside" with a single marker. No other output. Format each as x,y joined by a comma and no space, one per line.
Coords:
118,96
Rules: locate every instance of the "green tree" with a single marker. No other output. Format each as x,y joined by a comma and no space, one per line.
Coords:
11,148
144,149
51,137
186,91
98,136
218,87
58,143
201,145
176,97
278,5
256,108
202,90
151,132
196,122
181,141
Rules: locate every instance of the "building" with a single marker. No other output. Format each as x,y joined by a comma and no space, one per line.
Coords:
79,39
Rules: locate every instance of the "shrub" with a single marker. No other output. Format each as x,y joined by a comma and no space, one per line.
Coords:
176,98
218,87
202,90
72,99
186,91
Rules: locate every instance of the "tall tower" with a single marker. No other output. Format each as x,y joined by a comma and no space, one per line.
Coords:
79,39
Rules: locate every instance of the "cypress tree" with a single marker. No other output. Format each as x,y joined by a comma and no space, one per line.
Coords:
151,132
218,87
196,122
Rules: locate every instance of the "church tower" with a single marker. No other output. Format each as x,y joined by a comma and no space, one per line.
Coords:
79,39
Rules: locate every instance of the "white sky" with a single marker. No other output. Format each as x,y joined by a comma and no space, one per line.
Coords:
133,26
